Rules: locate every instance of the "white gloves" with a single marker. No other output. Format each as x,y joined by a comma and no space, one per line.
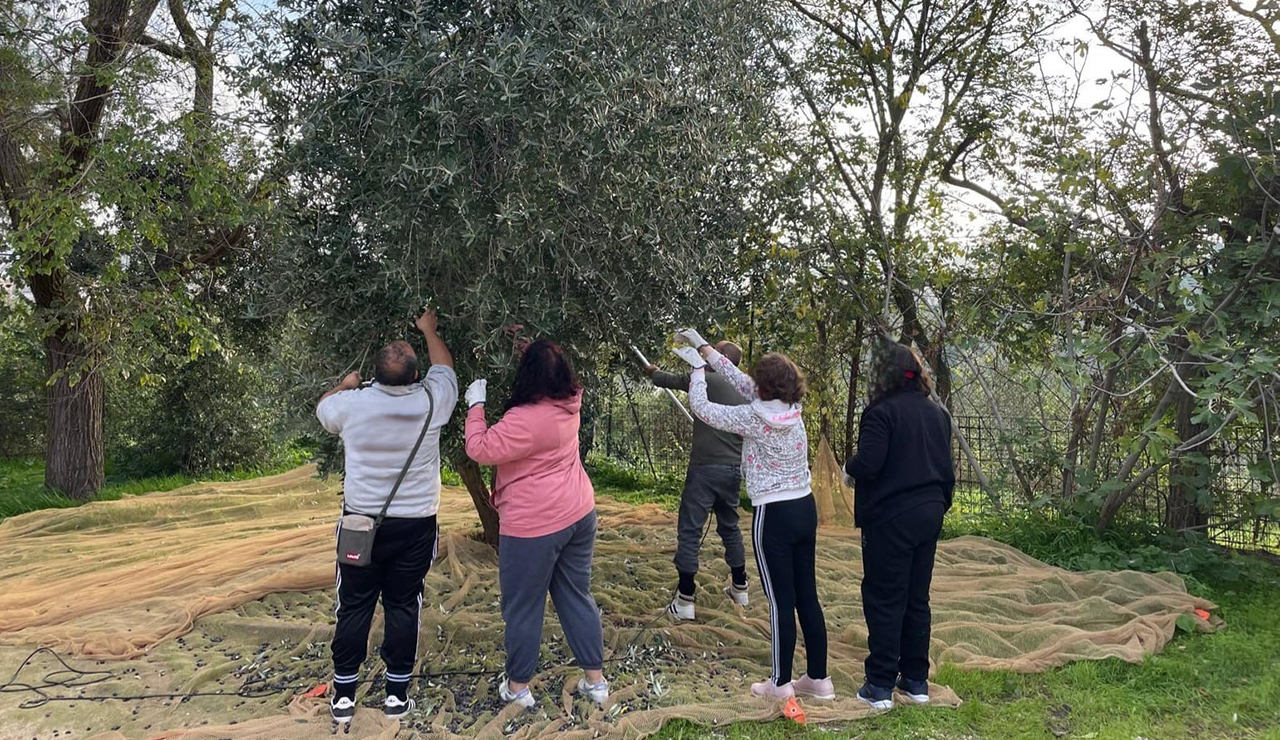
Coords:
690,337
691,356
476,392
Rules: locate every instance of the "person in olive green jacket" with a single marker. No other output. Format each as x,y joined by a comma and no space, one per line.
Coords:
712,484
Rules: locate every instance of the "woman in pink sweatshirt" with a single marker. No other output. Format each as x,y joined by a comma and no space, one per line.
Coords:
547,512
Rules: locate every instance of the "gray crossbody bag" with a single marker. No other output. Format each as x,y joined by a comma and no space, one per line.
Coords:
356,532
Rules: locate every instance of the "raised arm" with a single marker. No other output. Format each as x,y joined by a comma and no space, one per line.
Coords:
672,381
873,445
437,351
740,380
332,407
740,420
510,439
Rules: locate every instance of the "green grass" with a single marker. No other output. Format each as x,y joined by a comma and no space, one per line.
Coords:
22,483
1201,687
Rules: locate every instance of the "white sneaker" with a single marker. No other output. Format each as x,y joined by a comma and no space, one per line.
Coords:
739,595
395,708
523,697
681,607
599,693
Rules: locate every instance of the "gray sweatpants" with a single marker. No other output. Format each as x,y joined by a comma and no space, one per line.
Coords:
709,488
529,567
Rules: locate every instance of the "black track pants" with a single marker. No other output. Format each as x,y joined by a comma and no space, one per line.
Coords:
402,554
784,536
897,565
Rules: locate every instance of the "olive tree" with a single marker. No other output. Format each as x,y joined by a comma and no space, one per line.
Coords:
579,169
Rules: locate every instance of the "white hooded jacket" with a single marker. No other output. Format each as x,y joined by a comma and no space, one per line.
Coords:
775,446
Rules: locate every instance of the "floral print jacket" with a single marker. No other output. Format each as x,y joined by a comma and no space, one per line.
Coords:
775,446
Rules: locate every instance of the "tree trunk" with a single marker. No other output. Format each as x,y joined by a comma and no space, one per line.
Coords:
1182,511
73,456
1071,460
824,410
473,479
851,401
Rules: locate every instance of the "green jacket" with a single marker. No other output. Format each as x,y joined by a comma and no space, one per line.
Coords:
710,446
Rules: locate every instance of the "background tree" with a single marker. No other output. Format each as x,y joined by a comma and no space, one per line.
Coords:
886,86
1154,204
120,202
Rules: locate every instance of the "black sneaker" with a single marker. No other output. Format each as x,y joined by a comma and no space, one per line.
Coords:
394,707
916,691
875,696
342,709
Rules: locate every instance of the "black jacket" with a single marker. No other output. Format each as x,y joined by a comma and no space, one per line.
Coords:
903,460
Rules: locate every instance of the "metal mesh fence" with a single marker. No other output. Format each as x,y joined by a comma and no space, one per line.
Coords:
638,428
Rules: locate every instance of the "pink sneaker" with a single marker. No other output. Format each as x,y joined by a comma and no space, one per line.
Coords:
821,689
770,690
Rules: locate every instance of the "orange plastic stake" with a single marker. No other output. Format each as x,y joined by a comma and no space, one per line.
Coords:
1203,614
793,711
317,692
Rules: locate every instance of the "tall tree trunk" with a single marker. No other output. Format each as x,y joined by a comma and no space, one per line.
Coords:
824,349
473,479
851,401
73,457
1181,511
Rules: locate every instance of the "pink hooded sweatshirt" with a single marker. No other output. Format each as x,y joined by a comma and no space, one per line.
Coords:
540,487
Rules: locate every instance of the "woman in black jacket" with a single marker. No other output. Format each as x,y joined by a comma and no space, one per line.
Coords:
903,479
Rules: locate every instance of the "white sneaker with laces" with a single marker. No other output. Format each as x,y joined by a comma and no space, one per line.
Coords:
737,593
523,697
598,693
394,707
681,607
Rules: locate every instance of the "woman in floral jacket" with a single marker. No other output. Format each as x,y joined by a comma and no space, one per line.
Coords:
775,464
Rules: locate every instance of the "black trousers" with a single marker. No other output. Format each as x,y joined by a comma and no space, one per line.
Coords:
402,553
784,536
897,567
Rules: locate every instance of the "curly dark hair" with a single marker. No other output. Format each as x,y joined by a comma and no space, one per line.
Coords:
544,373
778,378
898,369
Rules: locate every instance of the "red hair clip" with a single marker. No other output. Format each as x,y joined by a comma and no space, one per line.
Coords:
911,373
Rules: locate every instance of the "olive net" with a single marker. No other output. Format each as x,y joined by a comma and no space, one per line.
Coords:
221,592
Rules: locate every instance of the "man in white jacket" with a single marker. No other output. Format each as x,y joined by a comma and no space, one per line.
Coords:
379,425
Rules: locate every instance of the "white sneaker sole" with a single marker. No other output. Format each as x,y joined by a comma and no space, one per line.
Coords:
916,698
883,704
743,602
817,697
678,616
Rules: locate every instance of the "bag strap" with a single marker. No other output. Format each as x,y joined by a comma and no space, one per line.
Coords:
431,411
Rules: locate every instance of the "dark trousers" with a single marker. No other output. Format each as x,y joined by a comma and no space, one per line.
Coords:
709,488
560,564
897,567
784,537
402,553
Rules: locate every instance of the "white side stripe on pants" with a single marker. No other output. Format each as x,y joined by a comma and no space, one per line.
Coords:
766,582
